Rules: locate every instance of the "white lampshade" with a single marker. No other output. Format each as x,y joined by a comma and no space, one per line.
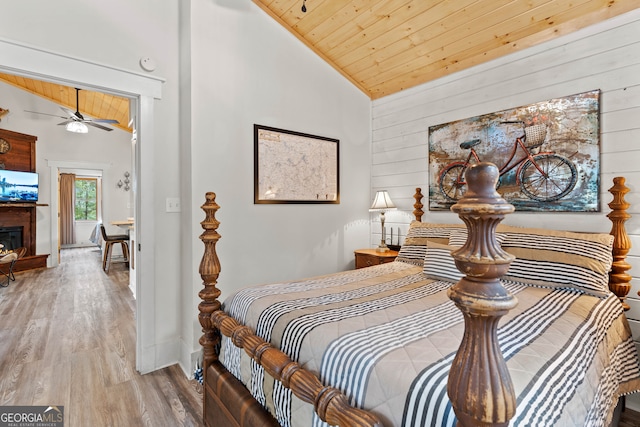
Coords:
77,127
382,201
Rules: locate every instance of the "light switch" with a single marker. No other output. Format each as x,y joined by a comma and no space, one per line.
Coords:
173,204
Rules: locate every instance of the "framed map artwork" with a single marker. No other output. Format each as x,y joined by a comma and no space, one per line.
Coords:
294,167
548,154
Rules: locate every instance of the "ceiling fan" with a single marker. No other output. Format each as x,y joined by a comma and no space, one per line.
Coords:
76,122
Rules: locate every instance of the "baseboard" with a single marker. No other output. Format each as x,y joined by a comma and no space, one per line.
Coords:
167,353
79,245
163,354
145,358
189,360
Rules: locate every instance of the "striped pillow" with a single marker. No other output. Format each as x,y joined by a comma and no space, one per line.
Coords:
439,264
559,259
414,249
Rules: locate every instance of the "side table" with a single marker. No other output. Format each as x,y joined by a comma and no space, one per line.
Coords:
369,257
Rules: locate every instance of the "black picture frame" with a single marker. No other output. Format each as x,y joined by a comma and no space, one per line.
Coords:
295,167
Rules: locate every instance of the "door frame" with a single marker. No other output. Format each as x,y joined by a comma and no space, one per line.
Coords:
58,167
142,90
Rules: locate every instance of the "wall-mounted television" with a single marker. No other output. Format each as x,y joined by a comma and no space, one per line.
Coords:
16,186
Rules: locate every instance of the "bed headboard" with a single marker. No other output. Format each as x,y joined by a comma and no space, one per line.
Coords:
417,206
619,279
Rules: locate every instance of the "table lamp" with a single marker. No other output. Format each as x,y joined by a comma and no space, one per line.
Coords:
382,202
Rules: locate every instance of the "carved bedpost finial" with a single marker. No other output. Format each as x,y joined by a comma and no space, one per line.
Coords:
417,211
619,280
479,384
209,271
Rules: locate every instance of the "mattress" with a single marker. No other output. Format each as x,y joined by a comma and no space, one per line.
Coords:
386,336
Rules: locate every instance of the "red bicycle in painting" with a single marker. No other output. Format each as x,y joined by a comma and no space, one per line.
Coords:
541,176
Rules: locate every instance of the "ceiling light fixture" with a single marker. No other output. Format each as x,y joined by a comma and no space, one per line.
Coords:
76,127
304,6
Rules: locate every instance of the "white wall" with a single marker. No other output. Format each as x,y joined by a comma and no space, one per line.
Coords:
243,69
605,57
108,150
117,34
246,70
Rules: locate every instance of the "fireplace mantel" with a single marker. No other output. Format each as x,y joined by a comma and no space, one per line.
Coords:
21,205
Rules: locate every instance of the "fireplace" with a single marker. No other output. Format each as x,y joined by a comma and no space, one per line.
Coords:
11,237
19,217
18,229
18,220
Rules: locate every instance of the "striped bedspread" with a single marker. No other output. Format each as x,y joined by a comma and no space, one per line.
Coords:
386,336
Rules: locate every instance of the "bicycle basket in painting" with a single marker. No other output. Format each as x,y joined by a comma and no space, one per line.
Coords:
535,135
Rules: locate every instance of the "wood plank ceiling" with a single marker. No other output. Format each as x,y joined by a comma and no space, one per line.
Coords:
94,105
385,46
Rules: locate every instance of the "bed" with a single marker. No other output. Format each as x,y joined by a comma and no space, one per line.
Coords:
480,324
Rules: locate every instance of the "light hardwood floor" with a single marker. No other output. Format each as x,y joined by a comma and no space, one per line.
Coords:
67,337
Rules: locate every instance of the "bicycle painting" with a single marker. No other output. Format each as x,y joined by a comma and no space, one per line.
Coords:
547,154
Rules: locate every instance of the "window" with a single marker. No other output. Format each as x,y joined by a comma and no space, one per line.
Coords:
86,208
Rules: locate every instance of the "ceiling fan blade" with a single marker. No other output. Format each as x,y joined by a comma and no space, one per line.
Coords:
76,116
112,121
45,114
95,125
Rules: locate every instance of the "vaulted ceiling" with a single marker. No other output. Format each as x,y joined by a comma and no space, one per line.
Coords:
95,105
386,46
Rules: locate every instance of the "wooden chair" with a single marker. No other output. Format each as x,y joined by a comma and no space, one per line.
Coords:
109,241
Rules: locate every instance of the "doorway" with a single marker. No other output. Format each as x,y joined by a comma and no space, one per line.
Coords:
141,90
83,212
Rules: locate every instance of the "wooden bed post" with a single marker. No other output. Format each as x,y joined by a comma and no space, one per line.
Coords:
417,211
209,271
330,404
479,384
619,279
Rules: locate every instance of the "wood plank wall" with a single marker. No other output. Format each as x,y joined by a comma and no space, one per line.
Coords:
605,57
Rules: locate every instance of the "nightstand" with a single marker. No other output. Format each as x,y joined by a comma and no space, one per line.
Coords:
369,257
